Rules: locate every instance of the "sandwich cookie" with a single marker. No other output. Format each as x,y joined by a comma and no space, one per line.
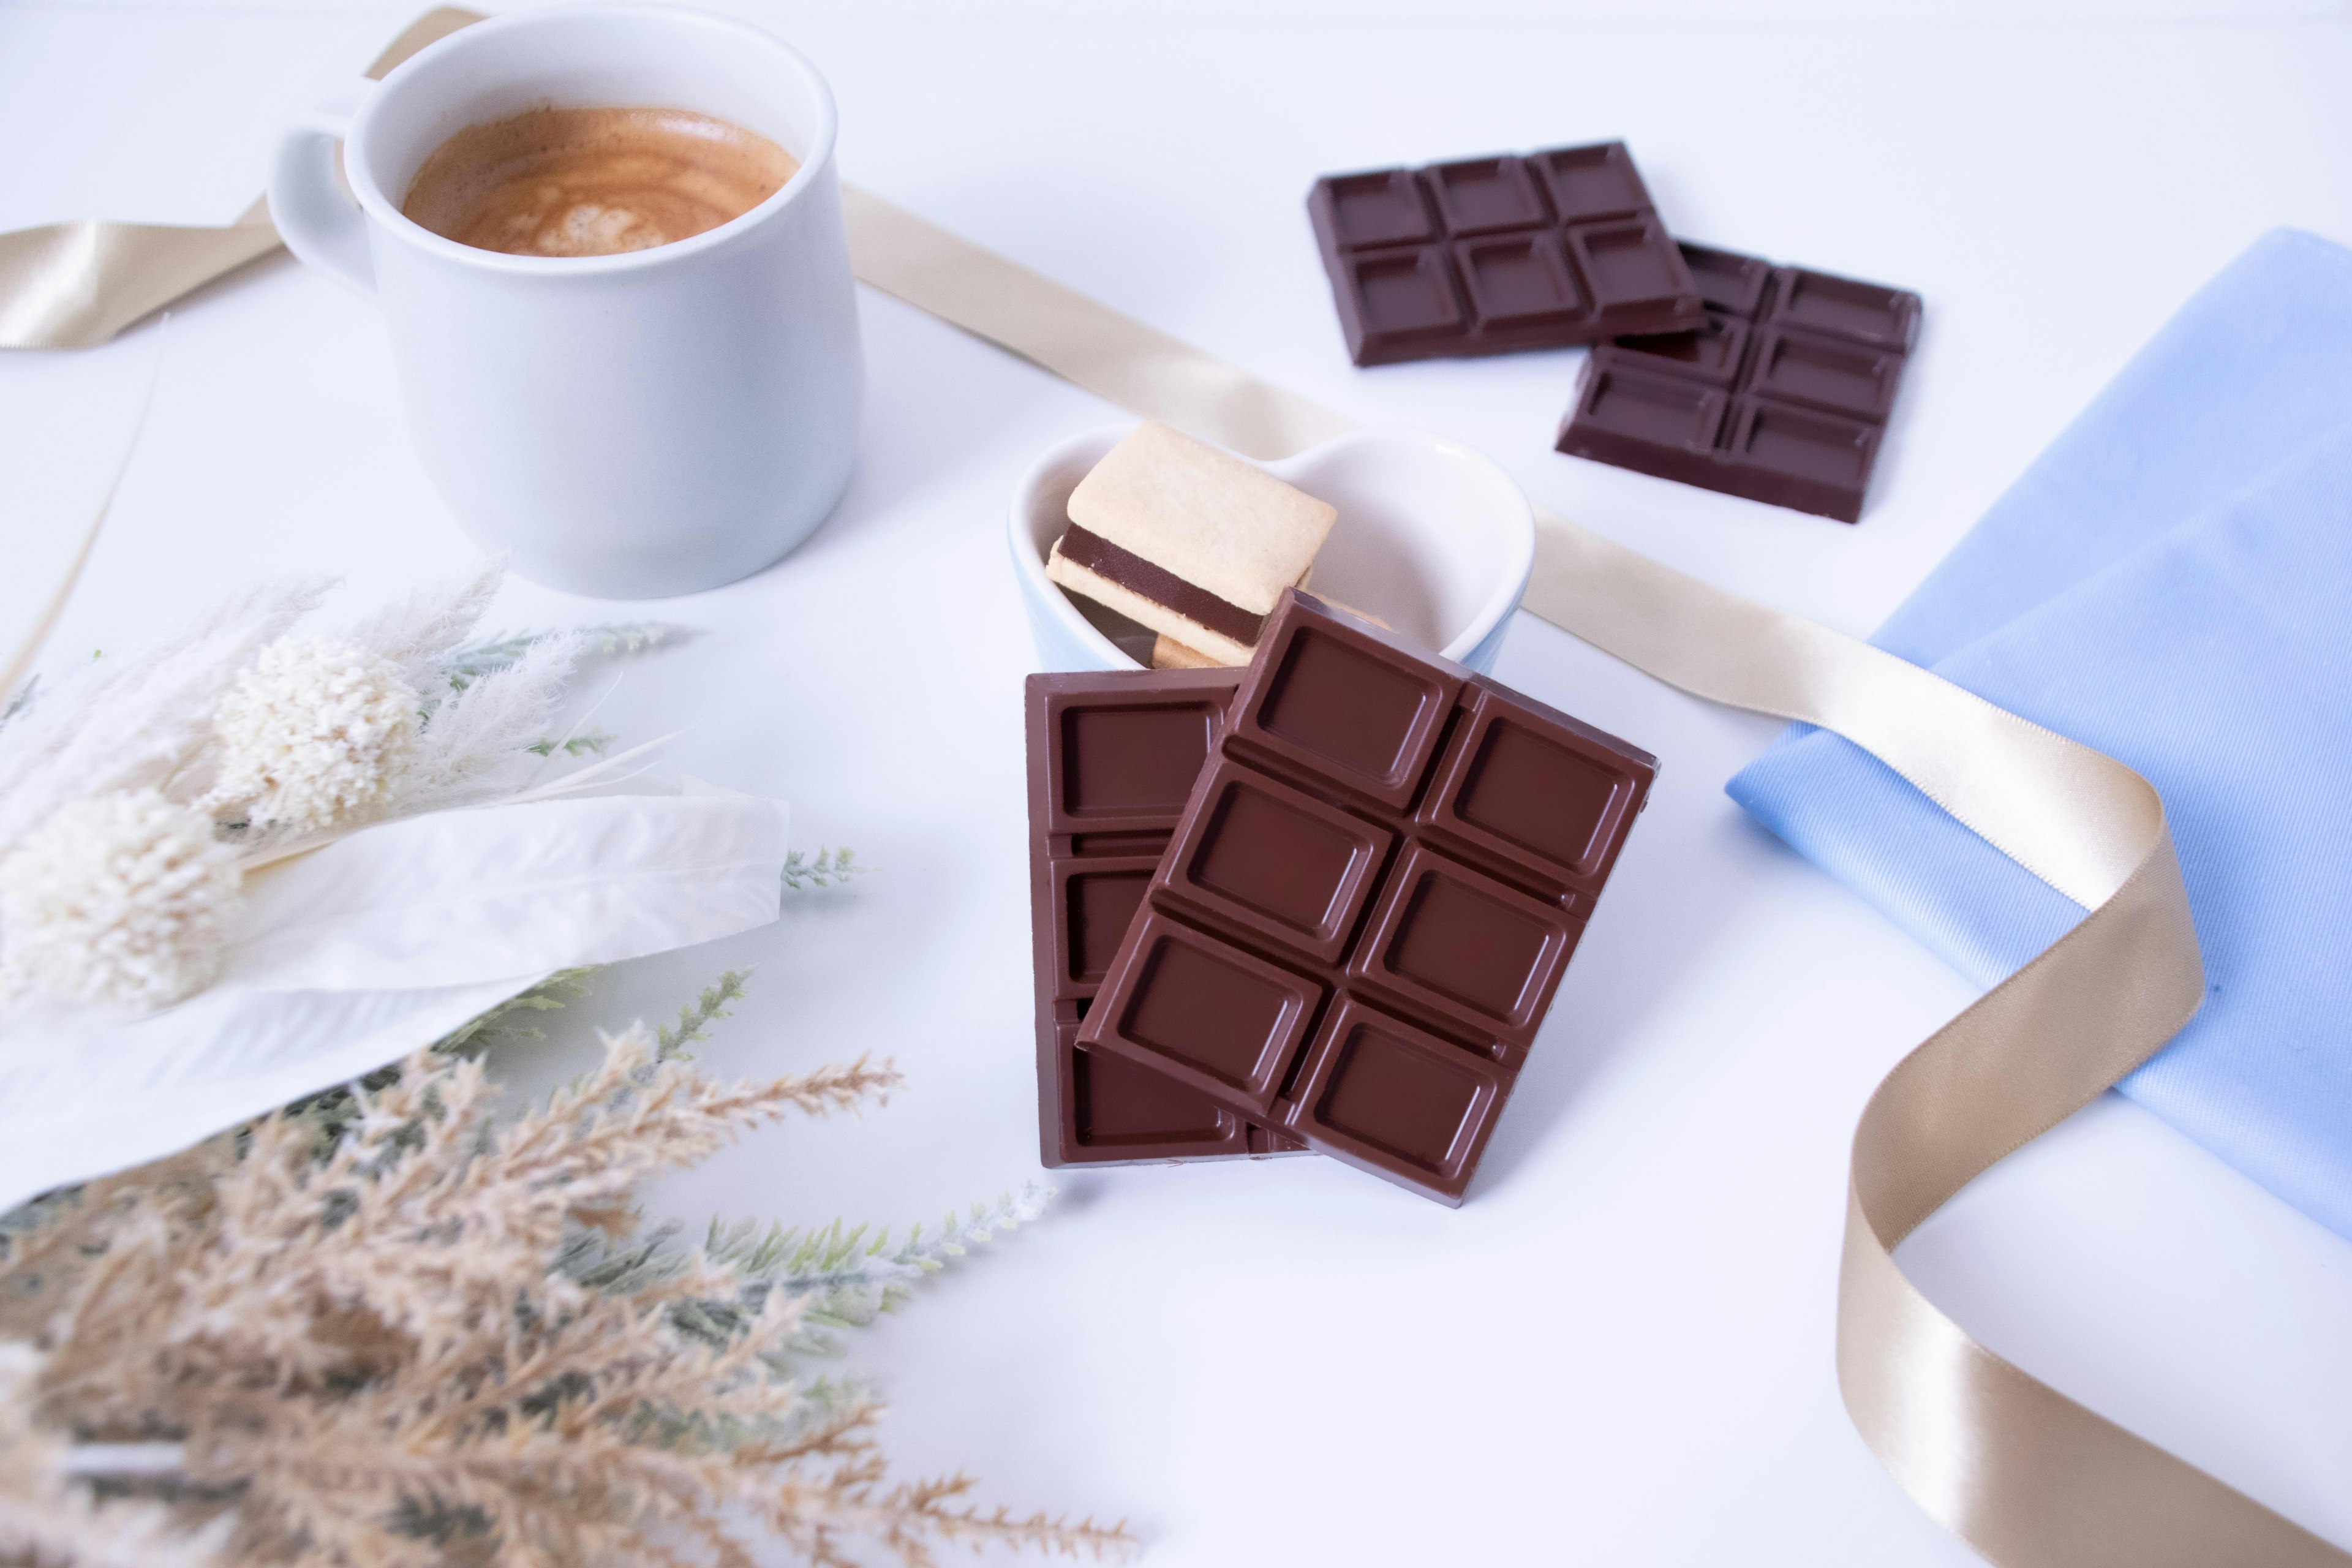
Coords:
1188,541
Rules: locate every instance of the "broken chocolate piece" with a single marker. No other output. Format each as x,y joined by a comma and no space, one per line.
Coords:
1782,397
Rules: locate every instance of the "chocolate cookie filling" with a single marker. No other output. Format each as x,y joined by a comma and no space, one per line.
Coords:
1131,570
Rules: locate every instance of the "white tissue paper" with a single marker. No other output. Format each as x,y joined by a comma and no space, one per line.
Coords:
357,954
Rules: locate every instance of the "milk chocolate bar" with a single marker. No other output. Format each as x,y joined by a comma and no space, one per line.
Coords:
1111,758
1491,256
1377,881
1782,396
1187,540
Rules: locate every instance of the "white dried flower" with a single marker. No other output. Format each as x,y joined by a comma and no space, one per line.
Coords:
314,733
122,898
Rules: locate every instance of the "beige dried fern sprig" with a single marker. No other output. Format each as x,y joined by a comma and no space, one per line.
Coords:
371,1353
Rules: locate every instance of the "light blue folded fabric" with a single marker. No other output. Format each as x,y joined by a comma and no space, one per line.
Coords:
2171,582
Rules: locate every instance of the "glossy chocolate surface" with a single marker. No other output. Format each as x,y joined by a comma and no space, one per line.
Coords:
1376,884
1782,396
1112,760
1491,256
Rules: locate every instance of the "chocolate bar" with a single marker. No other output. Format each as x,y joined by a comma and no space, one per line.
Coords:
1111,759
1377,881
1782,396
1492,256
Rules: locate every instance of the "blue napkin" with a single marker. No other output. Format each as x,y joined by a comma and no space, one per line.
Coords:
2171,582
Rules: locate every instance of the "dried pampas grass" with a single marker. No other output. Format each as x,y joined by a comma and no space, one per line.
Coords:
383,1328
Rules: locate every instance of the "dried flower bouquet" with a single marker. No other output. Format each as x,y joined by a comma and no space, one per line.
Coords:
134,795
377,1325
262,857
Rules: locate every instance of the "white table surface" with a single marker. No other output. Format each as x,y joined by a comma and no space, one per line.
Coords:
1620,1352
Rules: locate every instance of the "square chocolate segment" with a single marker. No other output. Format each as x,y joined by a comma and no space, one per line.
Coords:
1329,693
1798,458
1377,209
1275,860
1812,364
1480,195
1447,938
1406,295
1112,760
1517,280
1119,766
1556,793
1506,254
1648,411
1398,1101
1841,306
1208,1013
1377,884
1837,376
1589,183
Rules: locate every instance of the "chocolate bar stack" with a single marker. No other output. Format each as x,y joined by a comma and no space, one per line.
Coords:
1713,368
1305,885
1322,901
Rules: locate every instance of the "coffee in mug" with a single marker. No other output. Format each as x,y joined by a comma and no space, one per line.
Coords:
627,337
593,182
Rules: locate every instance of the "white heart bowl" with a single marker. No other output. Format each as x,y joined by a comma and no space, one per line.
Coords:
1433,538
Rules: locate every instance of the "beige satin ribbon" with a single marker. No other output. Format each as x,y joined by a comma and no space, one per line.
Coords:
75,285
2027,1476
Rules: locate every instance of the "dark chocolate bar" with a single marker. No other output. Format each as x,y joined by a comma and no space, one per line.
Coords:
1491,256
1375,887
1112,758
1782,397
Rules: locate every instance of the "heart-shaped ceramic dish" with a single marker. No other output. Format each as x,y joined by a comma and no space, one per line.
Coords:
1433,538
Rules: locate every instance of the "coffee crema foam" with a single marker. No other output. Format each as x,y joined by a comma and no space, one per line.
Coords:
593,182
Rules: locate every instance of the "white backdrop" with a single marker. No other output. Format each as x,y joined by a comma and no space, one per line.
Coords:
1619,1351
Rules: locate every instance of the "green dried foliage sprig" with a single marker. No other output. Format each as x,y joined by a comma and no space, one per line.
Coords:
469,664
505,1021
850,1275
693,1020
824,869
594,743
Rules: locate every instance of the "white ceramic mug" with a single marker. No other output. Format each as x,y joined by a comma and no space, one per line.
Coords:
630,425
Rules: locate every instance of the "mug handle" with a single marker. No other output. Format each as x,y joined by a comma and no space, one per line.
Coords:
316,214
